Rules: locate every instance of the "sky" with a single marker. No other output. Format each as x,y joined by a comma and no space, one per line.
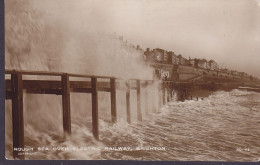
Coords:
224,30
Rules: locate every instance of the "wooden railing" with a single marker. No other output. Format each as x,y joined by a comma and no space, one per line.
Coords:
15,85
18,82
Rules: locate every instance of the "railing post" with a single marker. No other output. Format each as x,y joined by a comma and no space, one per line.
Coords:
146,97
66,105
113,100
159,95
163,89
17,115
139,113
154,108
94,108
128,113
171,89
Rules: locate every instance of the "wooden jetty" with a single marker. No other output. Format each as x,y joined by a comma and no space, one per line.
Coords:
14,91
15,85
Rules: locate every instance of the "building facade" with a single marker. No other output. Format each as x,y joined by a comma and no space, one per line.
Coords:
213,65
202,64
181,60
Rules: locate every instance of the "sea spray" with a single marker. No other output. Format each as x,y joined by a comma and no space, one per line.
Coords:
43,36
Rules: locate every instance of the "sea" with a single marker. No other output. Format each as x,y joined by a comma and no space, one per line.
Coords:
225,126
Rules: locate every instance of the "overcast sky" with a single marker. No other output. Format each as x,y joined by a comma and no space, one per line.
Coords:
224,30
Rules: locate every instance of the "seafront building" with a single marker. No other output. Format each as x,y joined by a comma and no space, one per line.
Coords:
167,65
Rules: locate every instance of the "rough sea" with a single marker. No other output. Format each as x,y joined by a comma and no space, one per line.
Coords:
222,127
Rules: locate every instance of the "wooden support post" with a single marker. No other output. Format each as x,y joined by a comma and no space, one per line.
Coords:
184,94
168,96
159,96
187,93
128,113
139,113
8,95
94,108
66,105
17,115
163,86
171,89
146,98
113,100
